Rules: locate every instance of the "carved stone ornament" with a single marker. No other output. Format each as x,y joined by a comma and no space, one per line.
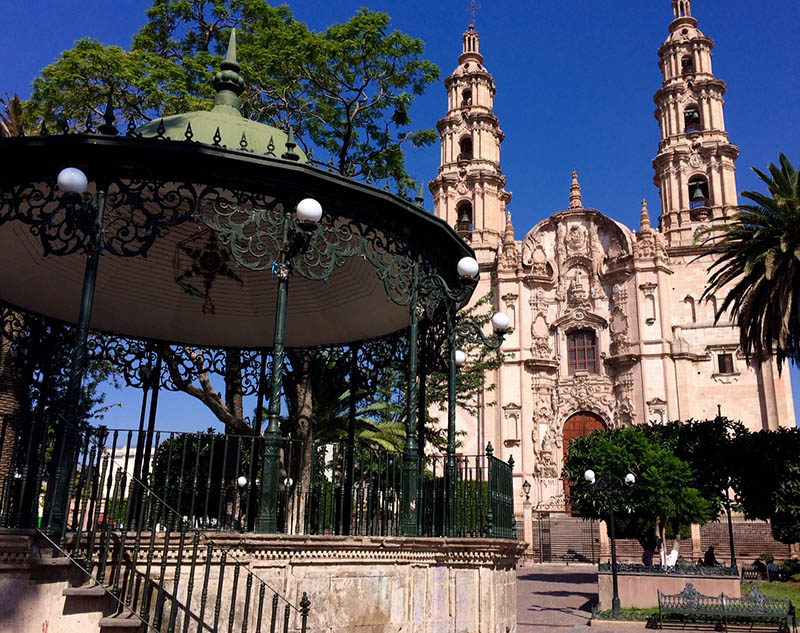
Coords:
591,392
577,239
625,411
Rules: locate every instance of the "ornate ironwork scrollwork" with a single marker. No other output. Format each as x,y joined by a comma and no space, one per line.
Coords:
470,332
254,231
136,213
676,570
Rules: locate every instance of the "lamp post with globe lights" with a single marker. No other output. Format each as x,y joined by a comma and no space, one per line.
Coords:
460,331
297,230
609,486
84,214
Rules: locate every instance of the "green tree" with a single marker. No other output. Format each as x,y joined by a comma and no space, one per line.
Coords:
758,266
10,115
664,497
766,480
710,447
347,90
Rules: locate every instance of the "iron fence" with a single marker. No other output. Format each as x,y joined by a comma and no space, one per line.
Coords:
212,483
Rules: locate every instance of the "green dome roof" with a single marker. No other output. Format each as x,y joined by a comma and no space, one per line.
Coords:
224,125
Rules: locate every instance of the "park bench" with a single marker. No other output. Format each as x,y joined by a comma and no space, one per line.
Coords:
754,608
753,572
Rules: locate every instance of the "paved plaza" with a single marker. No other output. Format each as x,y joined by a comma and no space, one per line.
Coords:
555,597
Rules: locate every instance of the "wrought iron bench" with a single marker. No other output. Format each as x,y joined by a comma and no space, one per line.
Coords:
752,572
754,608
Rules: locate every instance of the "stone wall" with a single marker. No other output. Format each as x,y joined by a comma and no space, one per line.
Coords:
355,584
640,591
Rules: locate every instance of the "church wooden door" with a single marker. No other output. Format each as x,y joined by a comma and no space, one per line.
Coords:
576,426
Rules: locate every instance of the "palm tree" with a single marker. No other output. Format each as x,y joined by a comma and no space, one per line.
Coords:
758,266
10,115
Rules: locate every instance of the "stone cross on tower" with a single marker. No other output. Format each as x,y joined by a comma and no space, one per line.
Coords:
472,8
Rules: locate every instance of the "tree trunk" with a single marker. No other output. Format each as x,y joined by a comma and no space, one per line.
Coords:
12,405
301,366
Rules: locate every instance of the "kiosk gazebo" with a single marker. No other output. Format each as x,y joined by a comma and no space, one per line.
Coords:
182,239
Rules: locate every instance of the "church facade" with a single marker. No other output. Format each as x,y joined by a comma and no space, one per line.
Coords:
608,329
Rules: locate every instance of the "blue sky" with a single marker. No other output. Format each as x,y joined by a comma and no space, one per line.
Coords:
575,83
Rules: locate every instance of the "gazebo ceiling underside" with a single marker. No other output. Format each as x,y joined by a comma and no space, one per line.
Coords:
140,296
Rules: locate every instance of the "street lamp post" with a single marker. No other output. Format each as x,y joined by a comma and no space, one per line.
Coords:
461,331
295,238
609,485
86,215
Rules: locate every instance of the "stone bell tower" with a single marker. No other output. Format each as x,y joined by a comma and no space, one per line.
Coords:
695,166
469,191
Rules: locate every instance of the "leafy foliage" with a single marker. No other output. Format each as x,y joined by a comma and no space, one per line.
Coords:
10,115
347,91
710,449
766,482
665,494
759,266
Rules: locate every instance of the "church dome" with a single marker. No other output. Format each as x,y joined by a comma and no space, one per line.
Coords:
224,125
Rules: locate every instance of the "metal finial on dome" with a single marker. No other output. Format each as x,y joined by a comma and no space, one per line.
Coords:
109,120
420,199
290,154
228,82
575,201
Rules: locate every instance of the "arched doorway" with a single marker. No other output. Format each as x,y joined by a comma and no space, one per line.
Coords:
578,425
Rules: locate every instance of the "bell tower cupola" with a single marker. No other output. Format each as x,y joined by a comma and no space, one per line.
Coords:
695,168
469,190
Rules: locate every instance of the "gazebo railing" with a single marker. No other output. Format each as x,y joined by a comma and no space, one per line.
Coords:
212,482
161,569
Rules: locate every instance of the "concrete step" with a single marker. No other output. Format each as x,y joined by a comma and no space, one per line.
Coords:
121,622
85,591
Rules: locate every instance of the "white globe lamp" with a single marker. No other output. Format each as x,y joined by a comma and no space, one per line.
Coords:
467,267
500,322
461,358
309,210
72,180
589,476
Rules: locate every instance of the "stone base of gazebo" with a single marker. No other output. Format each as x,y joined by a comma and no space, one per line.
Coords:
367,584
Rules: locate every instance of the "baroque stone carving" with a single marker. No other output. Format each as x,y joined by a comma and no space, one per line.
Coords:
625,412
619,325
577,239
592,392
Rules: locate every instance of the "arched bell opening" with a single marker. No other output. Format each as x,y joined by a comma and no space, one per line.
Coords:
691,119
465,148
698,193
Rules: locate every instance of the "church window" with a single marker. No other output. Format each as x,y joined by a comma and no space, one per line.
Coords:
582,352
725,363
687,65
465,145
691,119
692,309
466,97
698,193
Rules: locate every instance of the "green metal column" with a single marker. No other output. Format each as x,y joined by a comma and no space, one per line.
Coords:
70,434
267,521
450,476
410,486
350,455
